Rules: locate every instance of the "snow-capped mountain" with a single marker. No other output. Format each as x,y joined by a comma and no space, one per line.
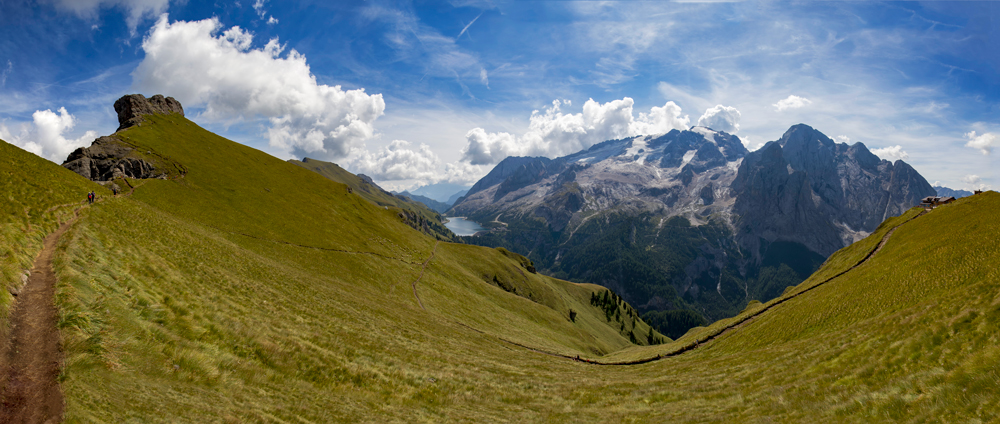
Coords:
716,223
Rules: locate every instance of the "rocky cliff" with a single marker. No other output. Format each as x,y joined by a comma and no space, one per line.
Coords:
113,157
806,188
131,108
691,219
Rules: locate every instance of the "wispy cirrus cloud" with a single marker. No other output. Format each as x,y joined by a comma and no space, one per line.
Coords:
136,10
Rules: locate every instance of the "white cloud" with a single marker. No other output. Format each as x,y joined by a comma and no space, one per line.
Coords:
484,77
45,135
721,118
272,20
258,6
135,10
398,162
891,153
201,65
984,142
791,102
975,183
843,139
6,72
554,133
464,173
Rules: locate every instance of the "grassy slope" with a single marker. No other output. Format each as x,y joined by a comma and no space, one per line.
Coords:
377,196
168,319
38,194
209,296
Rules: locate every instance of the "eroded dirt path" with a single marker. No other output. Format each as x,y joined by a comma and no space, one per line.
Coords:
32,356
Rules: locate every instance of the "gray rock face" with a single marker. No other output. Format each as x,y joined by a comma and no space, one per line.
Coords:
676,173
107,159
807,189
691,219
131,108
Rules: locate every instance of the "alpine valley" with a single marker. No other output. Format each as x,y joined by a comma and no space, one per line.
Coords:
221,284
689,226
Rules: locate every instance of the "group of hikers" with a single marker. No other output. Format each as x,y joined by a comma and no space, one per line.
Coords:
92,197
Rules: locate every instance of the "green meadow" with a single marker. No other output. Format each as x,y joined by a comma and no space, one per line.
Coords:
250,289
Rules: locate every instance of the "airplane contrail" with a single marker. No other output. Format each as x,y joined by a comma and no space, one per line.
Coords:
470,24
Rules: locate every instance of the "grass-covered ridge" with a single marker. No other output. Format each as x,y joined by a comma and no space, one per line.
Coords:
416,214
250,276
210,298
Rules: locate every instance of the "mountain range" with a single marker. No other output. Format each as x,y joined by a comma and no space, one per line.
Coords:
691,219
229,285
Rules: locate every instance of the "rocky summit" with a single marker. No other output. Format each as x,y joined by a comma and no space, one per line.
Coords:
131,108
691,219
113,157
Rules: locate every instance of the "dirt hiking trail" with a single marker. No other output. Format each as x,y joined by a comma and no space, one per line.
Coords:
31,358
735,326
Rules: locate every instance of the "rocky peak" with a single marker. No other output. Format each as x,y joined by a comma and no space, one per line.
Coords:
132,107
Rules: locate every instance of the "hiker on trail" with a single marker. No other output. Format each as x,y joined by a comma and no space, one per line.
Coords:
90,198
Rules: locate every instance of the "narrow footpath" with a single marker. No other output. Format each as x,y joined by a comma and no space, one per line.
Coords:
32,356
729,328
423,268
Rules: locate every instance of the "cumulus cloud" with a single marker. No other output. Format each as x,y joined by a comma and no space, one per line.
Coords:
844,139
135,10
984,142
791,102
721,118
398,161
972,179
45,135
891,153
464,172
553,133
201,65
975,182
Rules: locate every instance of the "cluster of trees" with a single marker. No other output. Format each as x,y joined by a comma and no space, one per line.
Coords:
612,304
674,323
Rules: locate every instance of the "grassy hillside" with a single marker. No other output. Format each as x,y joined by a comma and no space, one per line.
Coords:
38,194
419,216
251,289
210,298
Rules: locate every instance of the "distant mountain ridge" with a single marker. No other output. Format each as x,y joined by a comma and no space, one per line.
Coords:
416,214
691,219
945,191
439,207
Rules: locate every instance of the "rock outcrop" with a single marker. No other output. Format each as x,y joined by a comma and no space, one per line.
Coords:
107,159
110,157
131,108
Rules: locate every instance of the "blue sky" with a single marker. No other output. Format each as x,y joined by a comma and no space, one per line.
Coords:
421,92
